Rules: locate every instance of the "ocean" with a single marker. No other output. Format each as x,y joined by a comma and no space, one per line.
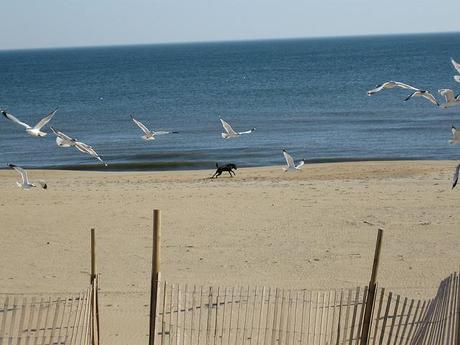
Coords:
307,96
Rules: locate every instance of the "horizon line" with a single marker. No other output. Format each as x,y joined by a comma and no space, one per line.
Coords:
109,45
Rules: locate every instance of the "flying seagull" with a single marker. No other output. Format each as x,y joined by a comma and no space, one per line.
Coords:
63,140
455,179
230,133
425,94
35,130
390,85
26,184
451,100
455,136
290,162
148,134
457,67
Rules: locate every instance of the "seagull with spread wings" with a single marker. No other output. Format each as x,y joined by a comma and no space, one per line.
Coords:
425,94
457,67
231,133
451,100
34,131
290,162
149,134
63,140
26,184
390,85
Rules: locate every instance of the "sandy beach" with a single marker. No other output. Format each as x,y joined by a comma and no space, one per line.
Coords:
310,229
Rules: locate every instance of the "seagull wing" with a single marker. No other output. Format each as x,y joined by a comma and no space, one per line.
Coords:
85,148
246,132
455,64
430,97
14,119
457,78
301,163
376,89
141,126
289,160
161,132
22,172
45,120
405,86
448,94
455,178
63,139
228,128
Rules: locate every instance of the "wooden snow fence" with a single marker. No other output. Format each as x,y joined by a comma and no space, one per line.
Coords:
271,316
39,320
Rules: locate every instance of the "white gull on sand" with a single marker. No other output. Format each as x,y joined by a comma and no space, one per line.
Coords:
290,162
230,132
35,130
26,184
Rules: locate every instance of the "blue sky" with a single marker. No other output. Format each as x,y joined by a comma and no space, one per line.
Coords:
64,23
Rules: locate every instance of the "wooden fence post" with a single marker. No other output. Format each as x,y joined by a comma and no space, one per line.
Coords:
371,291
94,293
155,279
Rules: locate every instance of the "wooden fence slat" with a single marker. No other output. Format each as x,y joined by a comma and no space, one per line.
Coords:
375,326
414,319
4,317
315,331
302,317
288,317
178,308
361,314
253,315
416,325
231,316
353,318
275,316
334,312
192,320
398,328
61,324
55,318
267,317
453,310
262,302
245,318
339,318
184,325
280,327
30,319
393,321
20,330
12,322
310,300
384,322
406,322
323,308
238,315
347,315
163,316
224,312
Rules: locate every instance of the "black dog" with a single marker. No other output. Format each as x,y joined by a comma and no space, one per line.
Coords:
228,167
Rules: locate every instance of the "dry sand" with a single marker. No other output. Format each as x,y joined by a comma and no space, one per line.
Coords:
310,229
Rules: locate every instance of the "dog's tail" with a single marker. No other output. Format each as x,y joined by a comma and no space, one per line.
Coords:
217,165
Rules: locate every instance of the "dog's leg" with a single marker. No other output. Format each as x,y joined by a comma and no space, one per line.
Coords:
218,173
